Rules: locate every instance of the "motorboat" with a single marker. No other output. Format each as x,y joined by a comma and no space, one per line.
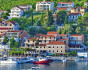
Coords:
41,61
49,58
64,60
22,60
8,61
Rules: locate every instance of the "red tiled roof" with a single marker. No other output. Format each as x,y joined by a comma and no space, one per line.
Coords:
74,13
61,8
56,43
15,31
3,28
13,22
78,8
65,2
20,8
52,33
42,45
76,35
38,34
54,15
32,38
48,36
62,34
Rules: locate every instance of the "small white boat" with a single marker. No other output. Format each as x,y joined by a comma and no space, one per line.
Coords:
35,68
8,61
64,60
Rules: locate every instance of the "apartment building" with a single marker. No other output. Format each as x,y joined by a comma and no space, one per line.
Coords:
72,17
44,5
11,25
57,47
3,30
32,42
67,5
44,39
16,12
25,7
78,10
53,33
76,43
59,9
19,35
64,38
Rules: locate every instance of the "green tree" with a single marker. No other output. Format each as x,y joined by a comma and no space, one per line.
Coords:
5,40
61,17
50,20
12,43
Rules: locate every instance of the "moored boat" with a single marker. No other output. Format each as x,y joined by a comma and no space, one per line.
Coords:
41,61
8,61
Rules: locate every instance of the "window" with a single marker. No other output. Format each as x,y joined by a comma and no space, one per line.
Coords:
53,50
28,40
49,47
44,47
53,46
49,50
57,46
10,25
61,46
61,50
57,50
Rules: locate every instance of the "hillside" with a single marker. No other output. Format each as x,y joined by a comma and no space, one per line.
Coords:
8,4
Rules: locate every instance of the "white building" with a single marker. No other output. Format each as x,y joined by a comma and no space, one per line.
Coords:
67,5
73,17
11,25
44,5
25,7
16,12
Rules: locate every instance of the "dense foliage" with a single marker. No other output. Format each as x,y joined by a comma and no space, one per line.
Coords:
8,4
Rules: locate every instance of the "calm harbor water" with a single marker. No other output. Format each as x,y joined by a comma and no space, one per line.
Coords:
51,66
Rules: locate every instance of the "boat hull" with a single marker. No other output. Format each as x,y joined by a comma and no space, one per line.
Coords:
41,62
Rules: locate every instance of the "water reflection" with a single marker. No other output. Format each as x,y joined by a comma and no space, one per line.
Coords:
51,66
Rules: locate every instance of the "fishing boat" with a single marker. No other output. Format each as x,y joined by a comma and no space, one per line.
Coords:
41,61
8,61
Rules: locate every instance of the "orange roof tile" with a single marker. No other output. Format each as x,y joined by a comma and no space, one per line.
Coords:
62,34
52,33
56,43
42,45
32,38
48,36
61,8
74,13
